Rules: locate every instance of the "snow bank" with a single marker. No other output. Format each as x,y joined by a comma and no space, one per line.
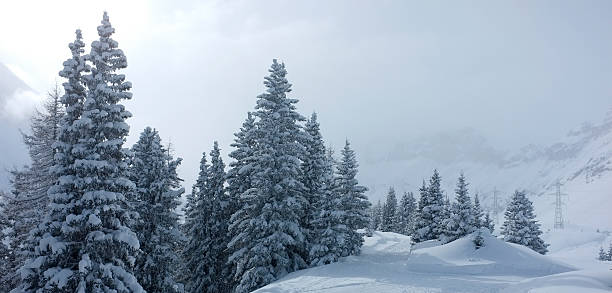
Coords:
495,258
389,263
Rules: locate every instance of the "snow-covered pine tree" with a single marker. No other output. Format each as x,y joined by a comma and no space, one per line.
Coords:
353,200
6,270
29,204
520,225
272,242
431,211
603,256
313,177
389,220
375,216
461,220
609,253
196,269
88,245
488,223
328,224
478,213
158,193
239,181
478,239
406,214
217,223
64,192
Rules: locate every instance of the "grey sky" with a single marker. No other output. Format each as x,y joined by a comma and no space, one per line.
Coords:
377,72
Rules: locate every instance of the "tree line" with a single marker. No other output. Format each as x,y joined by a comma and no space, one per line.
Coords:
89,215
435,217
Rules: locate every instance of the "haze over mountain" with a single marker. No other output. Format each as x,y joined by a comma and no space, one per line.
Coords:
17,100
581,162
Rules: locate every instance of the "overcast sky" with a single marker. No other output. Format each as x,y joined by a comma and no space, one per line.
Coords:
377,72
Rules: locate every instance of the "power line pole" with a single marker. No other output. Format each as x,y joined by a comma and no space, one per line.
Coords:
495,206
559,220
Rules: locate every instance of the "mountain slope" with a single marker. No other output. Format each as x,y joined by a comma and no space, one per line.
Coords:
581,162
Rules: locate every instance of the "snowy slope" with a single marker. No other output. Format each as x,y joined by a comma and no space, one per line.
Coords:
387,264
582,162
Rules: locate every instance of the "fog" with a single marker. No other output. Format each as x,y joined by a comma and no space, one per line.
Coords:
379,73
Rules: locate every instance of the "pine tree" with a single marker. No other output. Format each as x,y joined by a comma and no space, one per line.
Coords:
217,223
272,241
609,253
478,239
196,269
353,200
87,245
478,213
313,177
461,220
488,223
520,225
389,222
375,216
29,204
239,180
328,223
6,270
158,195
431,211
64,192
406,214
602,255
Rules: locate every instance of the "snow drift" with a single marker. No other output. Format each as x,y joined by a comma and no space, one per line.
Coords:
389,263
495,258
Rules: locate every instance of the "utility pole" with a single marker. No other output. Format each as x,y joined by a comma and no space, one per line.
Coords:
559,220
495,206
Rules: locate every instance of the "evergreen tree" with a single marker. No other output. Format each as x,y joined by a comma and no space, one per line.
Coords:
406,214
239,179
158,195
6,270
327,224
461,220
520,225
313,178
389,222
478,213
431,211
206,258
353,200
602,255
217,223
488,223
478,239
376,216
26,209
87,245
196,267
609,253
272,241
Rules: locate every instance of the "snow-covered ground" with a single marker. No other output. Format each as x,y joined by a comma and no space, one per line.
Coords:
388,264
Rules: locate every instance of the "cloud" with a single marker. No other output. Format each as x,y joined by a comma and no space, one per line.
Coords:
19,106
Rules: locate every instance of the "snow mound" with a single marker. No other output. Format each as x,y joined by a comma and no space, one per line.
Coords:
389,263
496,257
